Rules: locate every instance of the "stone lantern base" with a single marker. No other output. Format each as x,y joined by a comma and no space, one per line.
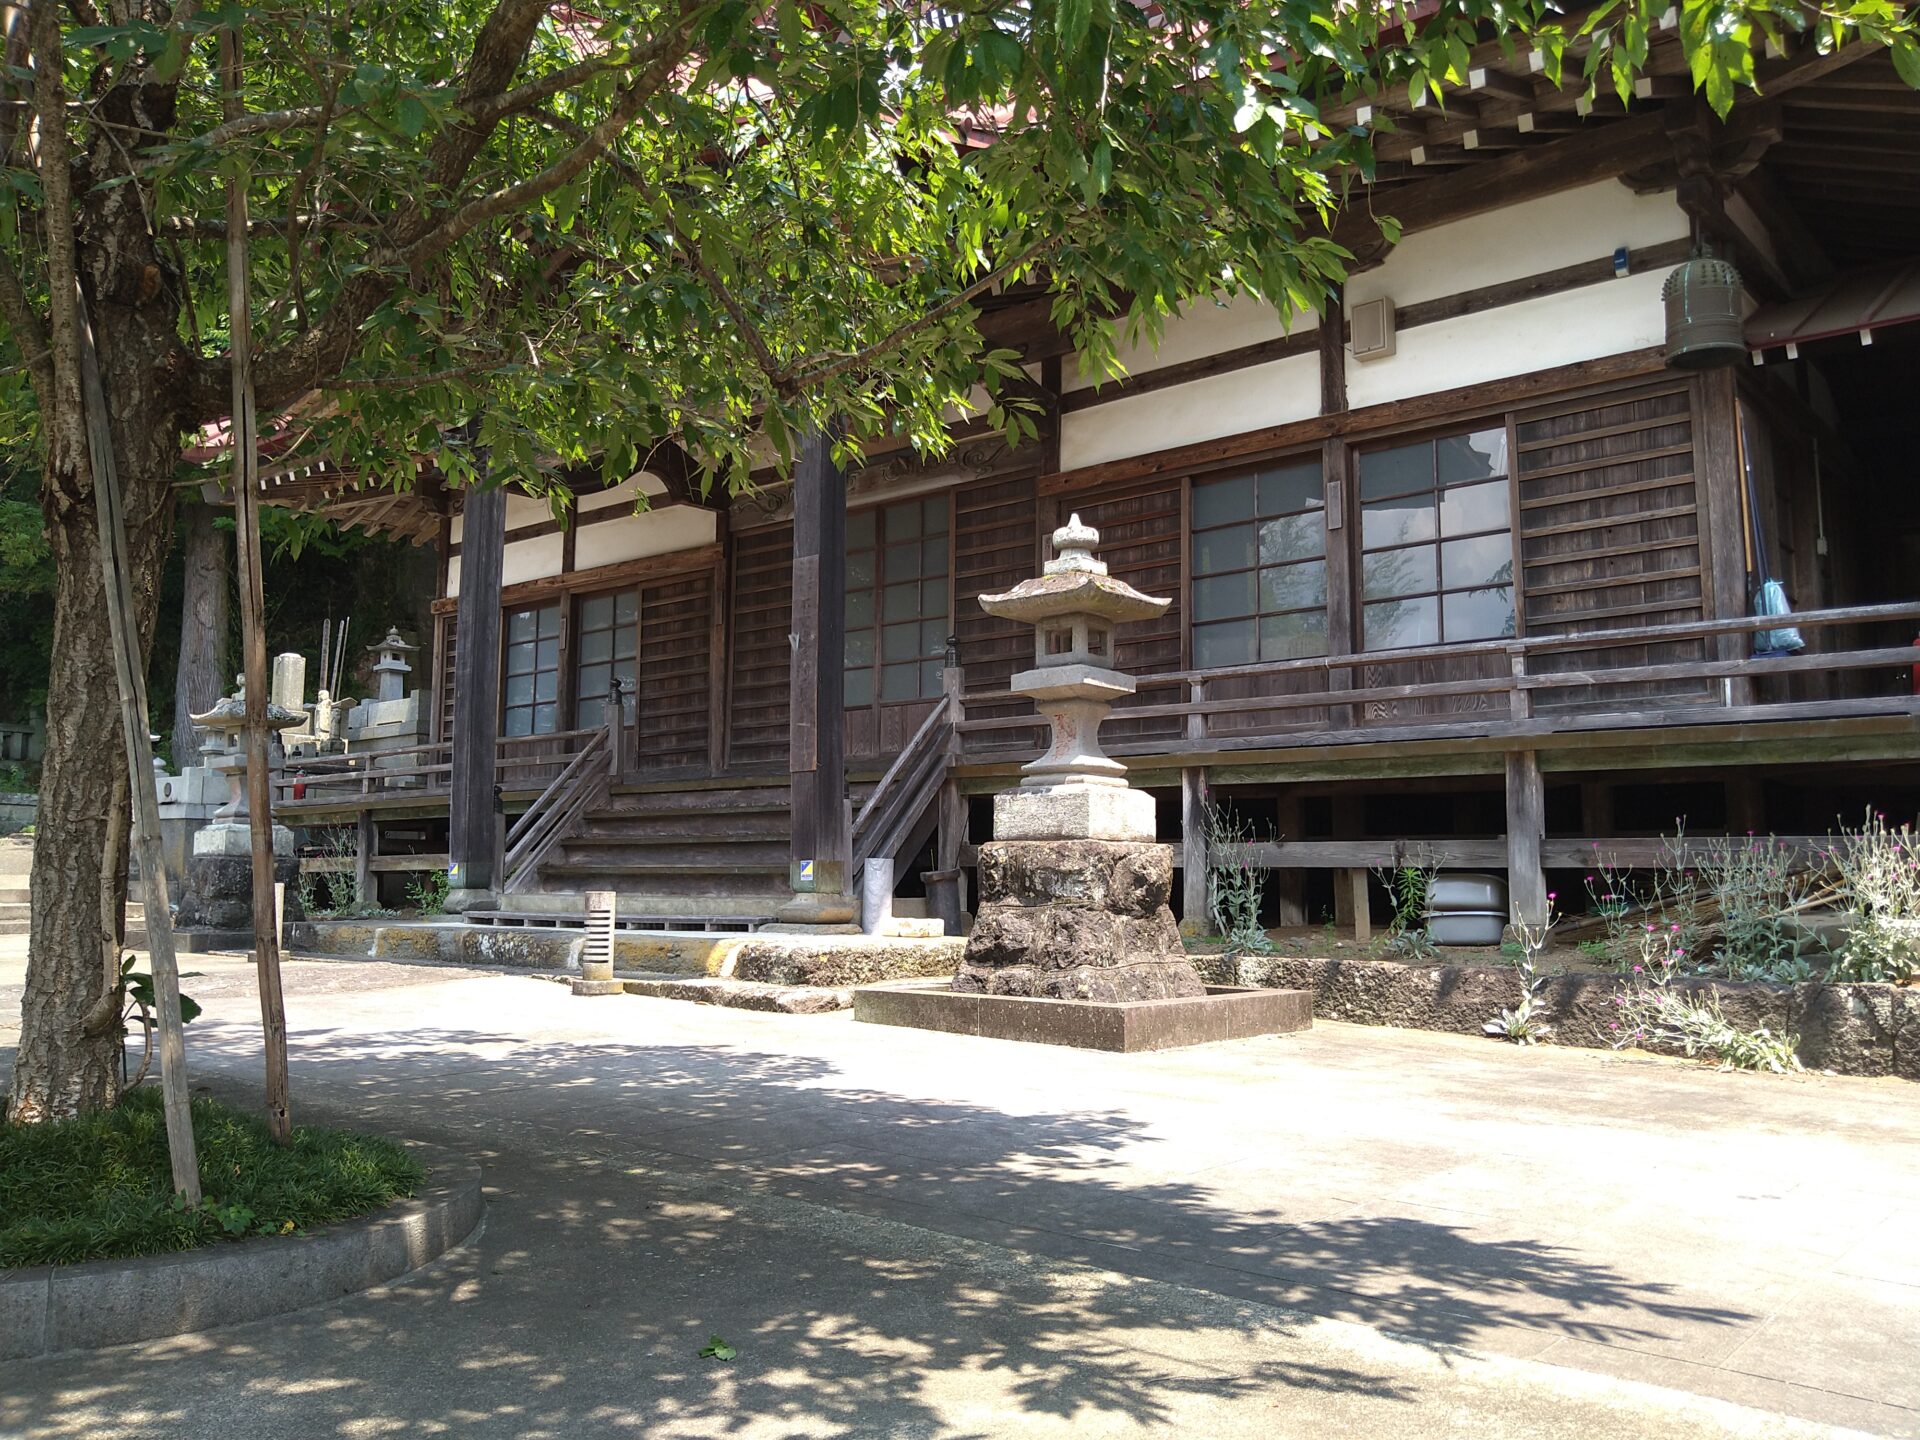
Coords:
1077,920
217,894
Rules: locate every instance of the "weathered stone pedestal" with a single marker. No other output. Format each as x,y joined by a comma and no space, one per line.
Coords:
216,900
1077,920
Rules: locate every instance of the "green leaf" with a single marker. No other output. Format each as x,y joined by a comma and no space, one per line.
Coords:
413,116
1074,19
717,1349
1906,59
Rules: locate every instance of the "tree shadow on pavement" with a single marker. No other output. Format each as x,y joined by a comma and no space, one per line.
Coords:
879,1261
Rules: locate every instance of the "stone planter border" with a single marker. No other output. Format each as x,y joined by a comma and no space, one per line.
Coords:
54,1308
1850,1029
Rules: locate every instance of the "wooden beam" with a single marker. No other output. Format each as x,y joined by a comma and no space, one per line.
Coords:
471,829
1579,159
1424,409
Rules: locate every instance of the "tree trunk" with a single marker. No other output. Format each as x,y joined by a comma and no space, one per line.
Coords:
204,671
68,1060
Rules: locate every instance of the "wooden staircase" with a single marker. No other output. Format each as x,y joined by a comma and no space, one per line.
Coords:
692,855
698,855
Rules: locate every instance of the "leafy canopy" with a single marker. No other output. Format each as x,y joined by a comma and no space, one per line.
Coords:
725,221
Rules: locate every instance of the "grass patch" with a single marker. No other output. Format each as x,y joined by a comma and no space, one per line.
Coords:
100,1187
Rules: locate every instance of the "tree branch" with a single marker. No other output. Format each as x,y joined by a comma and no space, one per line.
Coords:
315,356
762,353
523,98
946,307
53,157
409,382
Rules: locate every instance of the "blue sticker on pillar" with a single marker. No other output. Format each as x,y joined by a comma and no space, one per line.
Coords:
806,872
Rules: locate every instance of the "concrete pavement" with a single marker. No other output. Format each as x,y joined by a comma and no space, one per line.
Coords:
1352,1231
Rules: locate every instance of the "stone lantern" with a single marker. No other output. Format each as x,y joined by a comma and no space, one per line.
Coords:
391,668
218,892
1073,888
1075,790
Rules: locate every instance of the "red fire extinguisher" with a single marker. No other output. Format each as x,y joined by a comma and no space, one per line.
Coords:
300,776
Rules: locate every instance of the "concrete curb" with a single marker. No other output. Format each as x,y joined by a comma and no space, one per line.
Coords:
54,1308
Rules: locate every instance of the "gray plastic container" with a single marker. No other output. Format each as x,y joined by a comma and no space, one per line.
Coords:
1468,908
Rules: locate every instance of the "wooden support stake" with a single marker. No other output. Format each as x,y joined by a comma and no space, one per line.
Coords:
130,673
253,634
1526,828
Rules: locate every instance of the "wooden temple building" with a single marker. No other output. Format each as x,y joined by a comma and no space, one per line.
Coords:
1466,571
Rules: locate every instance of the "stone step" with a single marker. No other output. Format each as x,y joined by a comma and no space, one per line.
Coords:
651,851
702,880
738,994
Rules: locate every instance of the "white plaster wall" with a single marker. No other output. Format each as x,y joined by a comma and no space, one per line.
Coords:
1524,239
653,532
1272,394
453,566
533,559
1203,328
1583,324
523,510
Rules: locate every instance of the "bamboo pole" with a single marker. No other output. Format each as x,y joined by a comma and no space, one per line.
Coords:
131,674
246,512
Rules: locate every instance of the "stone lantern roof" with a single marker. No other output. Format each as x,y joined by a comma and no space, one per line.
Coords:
1074,584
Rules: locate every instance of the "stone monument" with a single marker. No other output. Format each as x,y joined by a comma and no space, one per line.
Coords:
1073,887
218,892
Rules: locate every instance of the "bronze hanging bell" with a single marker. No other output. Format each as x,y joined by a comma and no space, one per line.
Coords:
1705,327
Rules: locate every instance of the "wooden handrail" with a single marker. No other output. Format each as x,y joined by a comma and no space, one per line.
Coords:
931,725
1517,680
530,816
905,790
1573,640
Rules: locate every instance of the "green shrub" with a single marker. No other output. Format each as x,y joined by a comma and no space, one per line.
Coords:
100,1186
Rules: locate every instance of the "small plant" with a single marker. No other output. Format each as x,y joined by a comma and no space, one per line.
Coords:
140,1009
428,894
1408,887
1653,1011
332,891
1594,950
717,1349
1758,886
1235,884
1522,1024
1878,868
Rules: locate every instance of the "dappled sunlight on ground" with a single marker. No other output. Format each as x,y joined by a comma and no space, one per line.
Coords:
932,1235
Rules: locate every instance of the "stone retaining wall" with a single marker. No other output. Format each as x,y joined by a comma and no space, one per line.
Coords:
1848,1029
830,960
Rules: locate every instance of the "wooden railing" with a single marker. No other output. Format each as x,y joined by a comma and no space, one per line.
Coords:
1498,687
905,794
522,762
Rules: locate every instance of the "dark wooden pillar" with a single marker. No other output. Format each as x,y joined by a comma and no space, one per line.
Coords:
821,858
472,829
1526,828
